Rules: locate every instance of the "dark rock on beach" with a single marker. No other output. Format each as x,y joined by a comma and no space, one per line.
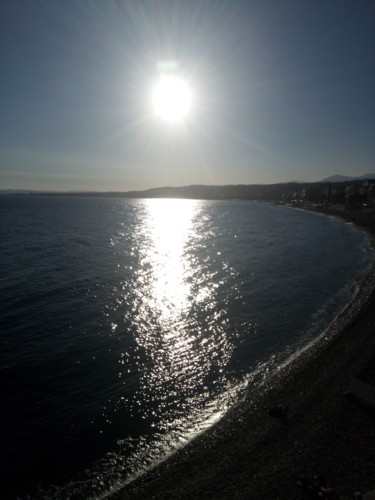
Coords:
302,422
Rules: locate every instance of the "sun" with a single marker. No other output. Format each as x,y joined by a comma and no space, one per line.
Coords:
171,99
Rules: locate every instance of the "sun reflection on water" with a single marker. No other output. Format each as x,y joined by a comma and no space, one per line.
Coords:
180,326
169,224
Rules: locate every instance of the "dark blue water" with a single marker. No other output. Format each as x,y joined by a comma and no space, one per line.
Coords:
127,326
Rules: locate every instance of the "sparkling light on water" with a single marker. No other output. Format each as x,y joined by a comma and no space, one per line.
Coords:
180,328
169,226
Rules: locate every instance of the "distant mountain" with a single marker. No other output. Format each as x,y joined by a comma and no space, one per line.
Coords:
36,192
256,192
17,191
344,178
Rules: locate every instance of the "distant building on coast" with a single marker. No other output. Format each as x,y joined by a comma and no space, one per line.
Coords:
355,194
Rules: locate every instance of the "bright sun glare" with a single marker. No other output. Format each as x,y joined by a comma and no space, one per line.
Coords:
171,99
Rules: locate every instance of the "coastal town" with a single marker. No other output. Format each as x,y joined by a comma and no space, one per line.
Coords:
354,195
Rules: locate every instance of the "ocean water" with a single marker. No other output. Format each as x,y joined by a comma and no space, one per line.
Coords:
129,326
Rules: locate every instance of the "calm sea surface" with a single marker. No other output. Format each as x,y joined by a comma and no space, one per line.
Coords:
127,326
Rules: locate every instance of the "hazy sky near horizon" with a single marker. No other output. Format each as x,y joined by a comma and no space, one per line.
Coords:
282,90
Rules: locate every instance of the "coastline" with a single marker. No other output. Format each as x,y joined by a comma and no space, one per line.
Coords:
250,454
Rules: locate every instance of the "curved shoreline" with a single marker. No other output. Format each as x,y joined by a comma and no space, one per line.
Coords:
249,454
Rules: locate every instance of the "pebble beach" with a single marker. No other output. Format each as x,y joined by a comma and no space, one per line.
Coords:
322,429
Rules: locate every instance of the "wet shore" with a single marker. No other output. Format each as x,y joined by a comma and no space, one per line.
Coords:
255,453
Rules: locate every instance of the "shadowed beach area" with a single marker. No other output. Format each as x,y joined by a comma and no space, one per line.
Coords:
321,429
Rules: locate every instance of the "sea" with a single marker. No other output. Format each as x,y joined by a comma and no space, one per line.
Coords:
129,326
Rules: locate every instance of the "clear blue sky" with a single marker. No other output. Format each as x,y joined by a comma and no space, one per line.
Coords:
283,90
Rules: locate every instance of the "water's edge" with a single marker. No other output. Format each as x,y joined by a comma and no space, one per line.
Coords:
256,397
